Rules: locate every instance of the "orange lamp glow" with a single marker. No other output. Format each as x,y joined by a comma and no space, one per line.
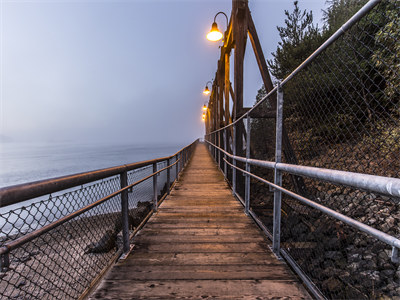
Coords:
206,91
204,108
214,35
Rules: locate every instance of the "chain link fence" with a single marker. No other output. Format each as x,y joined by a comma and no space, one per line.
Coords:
65,261
341,112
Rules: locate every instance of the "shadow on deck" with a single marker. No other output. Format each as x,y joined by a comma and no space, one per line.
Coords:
200,245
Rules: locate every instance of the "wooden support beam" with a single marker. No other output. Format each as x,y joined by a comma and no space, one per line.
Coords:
255,42
240,38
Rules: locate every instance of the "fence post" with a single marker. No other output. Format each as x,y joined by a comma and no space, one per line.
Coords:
219,151
168,176
234,161
124,211
225,165
278,174
155,204
177,167
247,183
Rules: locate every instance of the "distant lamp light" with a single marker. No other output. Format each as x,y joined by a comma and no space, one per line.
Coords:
204,117
215,35
204,108
206,90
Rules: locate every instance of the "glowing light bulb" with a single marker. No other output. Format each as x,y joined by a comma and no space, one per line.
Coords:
214,34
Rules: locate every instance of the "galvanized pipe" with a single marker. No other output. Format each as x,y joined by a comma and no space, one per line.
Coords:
383,185
234,161
276,233
155,204
382,236
225,166
30,236
125,212
247,181
168,176
177,167
21,192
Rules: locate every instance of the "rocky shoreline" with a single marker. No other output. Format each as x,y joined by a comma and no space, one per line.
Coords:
58,265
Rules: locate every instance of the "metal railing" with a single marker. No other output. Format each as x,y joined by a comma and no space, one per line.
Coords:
59,242
321,178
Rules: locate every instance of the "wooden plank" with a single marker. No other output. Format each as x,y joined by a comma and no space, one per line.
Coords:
200,244
242,272
199,259
253,247
201,289
185,224
195,231
194,238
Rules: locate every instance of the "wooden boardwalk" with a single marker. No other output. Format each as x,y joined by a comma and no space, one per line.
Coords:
200,245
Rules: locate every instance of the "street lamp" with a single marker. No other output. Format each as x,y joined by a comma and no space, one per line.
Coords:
204,108
206,90
215,35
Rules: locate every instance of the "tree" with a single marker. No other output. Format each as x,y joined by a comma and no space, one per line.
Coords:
299,38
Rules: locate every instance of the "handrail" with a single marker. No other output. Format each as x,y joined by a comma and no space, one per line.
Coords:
32,235
354,19
21,192
384,237
384,185
364,181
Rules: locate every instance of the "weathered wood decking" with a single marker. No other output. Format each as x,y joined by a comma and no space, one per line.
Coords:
200,245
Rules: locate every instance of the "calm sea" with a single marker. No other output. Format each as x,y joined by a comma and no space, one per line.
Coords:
22,163
26,162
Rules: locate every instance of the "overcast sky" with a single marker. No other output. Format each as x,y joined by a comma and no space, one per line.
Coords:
118,71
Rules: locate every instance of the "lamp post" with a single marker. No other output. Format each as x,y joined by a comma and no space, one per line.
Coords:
206,90
215,35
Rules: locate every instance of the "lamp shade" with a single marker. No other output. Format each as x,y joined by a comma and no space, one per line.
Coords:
206,91
214,34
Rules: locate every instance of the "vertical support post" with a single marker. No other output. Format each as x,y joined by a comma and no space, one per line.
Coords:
215,148
278,174
177,167
219,151
168,176
234,161
155,194
4,262
225,165
247,183
124,212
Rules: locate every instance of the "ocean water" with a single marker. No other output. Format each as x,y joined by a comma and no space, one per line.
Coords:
27,162
22,163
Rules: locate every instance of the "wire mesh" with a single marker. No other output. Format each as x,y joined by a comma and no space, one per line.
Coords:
342,112
63,262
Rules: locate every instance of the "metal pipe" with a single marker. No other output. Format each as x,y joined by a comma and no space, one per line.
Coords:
155,205
21,192
177,167
384,237
125,212
276,241
234,161
247,181
168,176
383,185
308,283
30,236
225,166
